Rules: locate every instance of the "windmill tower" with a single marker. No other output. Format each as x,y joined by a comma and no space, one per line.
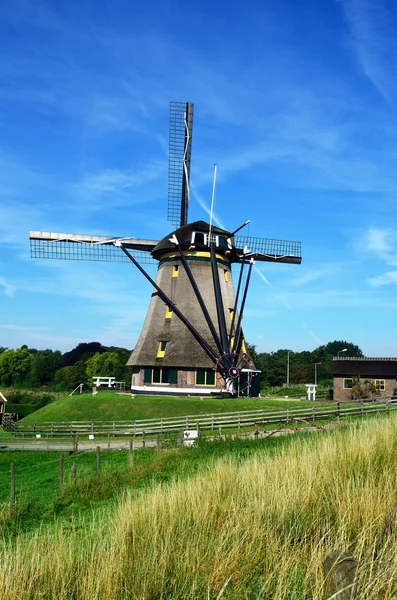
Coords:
192,340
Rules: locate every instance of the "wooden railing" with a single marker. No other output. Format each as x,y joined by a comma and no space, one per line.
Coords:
205,421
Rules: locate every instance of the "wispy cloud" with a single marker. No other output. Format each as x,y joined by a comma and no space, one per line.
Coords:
380,280
372,27
13,327
116,185
7,287
207,208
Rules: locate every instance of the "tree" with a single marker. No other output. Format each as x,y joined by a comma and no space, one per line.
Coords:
109,364
44,365
332,348
82,351
68,378
14,364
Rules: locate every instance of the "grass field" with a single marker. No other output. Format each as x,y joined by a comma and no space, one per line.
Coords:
109,406
38,498
243,526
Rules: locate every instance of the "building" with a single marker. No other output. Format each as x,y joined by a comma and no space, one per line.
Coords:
167,358
362,377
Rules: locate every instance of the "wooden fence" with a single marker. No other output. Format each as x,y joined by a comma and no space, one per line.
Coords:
81,435
205,421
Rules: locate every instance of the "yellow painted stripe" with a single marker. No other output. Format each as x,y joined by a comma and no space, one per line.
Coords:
191,253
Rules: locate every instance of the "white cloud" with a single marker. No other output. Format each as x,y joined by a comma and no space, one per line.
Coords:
8,288
373,40
380,280
380,241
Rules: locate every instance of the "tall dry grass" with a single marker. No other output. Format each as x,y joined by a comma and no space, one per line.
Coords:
259,529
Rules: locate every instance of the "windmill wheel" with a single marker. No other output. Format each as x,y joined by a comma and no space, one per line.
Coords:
235,371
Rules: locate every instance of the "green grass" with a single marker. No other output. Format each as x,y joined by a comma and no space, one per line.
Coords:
109,406
232,523
20,409
38,498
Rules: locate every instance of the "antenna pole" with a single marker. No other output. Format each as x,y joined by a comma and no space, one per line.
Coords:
212,203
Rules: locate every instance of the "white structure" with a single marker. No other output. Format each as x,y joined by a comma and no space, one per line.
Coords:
311,391
190,437
109,381
3,401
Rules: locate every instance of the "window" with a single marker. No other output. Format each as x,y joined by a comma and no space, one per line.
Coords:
161,349
347,384
226,275
205,377
159,375
199,238
175,270
168,312
380,384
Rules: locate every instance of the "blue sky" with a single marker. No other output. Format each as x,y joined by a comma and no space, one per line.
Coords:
295,101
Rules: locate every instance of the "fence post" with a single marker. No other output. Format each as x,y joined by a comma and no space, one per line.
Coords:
338,412
131,445
61,473
108,441
362,408
143,439
180,439
74,471
239,423
98,460
158,444
339,570
256,430
12,485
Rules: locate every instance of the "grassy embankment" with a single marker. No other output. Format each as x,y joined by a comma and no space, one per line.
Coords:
258,527
109,406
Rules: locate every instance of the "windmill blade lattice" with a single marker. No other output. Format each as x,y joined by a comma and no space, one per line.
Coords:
180,148
70,246
267,249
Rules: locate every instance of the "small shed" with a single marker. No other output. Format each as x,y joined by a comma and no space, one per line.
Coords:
364,377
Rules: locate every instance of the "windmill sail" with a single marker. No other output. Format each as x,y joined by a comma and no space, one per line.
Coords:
267,249
180,148
72,246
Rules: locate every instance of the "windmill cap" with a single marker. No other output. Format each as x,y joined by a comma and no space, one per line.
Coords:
185,237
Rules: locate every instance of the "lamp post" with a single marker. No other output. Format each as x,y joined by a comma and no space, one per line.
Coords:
339,351
315,372
288,353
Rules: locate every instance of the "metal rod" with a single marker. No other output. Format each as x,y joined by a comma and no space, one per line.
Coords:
237,338
200,300
212,204
241,226
219,301
240,278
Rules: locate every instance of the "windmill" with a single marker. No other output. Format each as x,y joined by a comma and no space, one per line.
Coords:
192,340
